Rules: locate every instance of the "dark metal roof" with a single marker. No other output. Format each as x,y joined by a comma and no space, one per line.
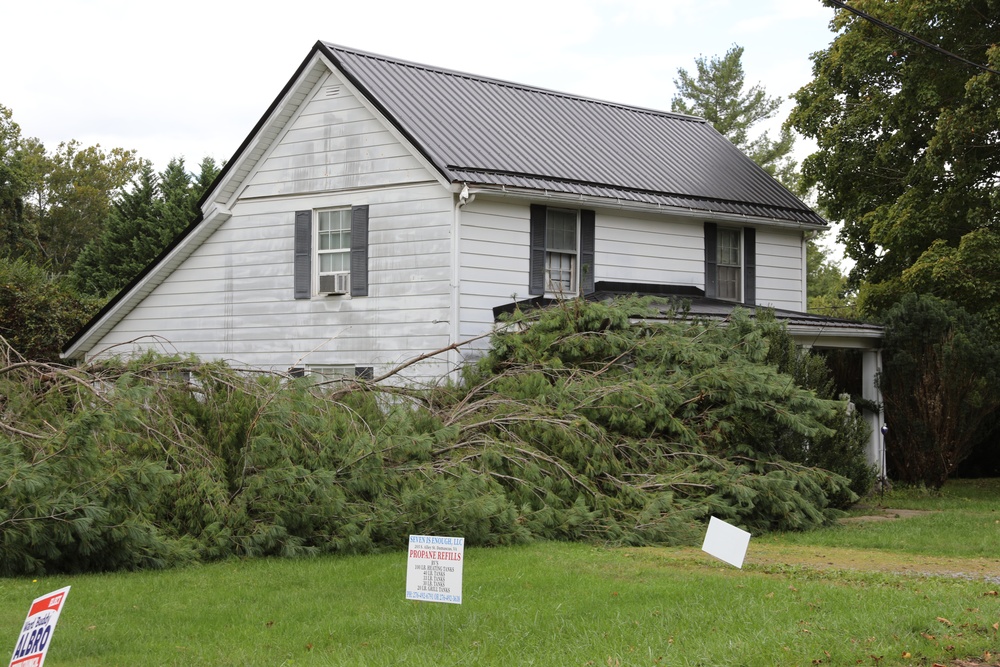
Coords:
496,133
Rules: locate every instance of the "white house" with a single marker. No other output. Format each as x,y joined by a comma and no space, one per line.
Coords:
382,209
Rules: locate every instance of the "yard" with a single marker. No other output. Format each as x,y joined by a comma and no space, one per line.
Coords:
918,585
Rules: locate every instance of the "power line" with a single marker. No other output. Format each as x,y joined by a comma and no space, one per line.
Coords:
912,38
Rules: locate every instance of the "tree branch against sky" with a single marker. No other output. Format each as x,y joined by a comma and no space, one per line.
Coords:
909,147
717,93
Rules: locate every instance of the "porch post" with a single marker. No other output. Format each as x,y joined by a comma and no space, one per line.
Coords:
871,364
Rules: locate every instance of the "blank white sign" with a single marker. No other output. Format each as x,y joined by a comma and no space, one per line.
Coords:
726,542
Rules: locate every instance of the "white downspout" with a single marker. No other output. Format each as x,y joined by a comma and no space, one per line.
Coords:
454,356
805,271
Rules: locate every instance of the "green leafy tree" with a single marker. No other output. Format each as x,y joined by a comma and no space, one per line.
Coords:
39,311
908,144
143,221
827,290
69,196
13,187
716,93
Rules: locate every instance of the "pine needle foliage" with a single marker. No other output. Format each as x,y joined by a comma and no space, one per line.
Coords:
578,424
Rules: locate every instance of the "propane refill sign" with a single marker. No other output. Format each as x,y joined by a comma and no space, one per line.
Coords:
434,569
36,634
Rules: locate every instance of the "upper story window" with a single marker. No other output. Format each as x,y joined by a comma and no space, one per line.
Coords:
331,252
561,252
561,255
730,264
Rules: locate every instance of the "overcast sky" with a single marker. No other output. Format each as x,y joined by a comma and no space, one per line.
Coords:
191,79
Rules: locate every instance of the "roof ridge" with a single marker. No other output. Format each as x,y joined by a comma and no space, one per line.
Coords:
513,84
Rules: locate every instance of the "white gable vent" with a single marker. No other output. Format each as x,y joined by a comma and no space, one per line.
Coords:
331,91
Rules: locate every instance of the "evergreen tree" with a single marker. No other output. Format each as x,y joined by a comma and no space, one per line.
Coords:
941,383
105,264
142,223
716,93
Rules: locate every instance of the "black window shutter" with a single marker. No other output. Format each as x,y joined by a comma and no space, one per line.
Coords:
536,276
359,250
711,259
587,224
750,266
364,372
302,270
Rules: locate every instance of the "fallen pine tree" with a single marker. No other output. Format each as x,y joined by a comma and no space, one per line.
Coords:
578,424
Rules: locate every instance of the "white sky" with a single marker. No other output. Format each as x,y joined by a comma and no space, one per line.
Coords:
192,79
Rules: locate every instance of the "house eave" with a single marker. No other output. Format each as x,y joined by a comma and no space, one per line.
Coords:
575,199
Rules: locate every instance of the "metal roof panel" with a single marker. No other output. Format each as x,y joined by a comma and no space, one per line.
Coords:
470,126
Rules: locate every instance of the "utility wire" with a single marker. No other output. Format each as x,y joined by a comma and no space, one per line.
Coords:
912,38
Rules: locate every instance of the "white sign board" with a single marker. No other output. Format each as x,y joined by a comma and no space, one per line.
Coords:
36,634
726,542
434,569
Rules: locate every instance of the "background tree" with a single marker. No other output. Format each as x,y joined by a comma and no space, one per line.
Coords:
69,196
827,290
908,139
716,93
13,186
39,311
142,222
934,349
908,156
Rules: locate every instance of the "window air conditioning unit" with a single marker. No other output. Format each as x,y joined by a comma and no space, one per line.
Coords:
336,283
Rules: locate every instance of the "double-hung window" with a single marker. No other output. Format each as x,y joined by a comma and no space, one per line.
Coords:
730,265
561,252
331,252
561,261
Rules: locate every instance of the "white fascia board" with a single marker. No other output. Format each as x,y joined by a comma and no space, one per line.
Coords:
859,338
227,190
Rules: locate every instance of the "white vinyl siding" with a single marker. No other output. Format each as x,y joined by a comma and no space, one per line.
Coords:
335,143
780,279
495,243
233,298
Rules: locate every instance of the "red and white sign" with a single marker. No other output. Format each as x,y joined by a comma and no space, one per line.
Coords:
36,635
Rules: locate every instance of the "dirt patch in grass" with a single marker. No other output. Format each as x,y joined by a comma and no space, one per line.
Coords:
882,514
871,560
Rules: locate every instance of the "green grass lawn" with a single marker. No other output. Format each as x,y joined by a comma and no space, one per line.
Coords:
558,604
